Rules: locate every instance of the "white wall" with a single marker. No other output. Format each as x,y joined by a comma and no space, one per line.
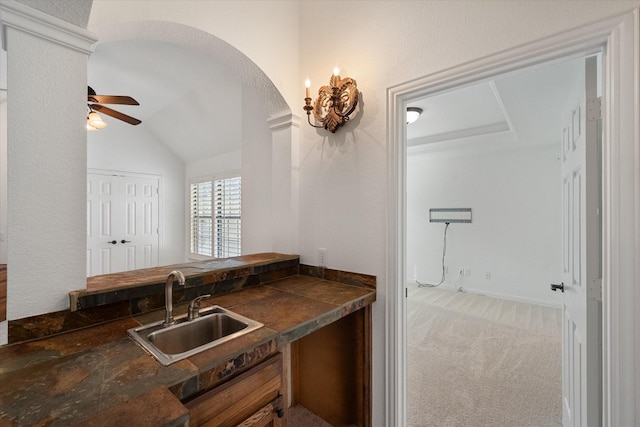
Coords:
253,160
214,165
343,185
4,326
265,31
3,157
125,148
515,196
256,176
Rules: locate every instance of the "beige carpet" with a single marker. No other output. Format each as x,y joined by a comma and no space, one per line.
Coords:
299,416
481,361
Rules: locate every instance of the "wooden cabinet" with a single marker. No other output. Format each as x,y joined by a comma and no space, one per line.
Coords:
252,399
328,372
331,371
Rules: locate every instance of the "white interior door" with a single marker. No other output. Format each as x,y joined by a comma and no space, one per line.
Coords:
122,223
140,233
101,239
581,272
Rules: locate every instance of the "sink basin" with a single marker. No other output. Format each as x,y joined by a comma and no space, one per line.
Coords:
168,344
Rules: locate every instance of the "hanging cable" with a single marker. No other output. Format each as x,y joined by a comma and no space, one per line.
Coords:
444,253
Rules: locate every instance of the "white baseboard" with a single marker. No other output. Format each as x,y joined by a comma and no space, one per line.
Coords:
453,287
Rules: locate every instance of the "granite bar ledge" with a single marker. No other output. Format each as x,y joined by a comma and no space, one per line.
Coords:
228,274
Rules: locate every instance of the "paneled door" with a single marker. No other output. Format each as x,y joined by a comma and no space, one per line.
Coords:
581,255
122,222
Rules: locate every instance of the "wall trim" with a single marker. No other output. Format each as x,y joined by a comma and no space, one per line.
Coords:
621,224
32,21
451,288
283,121
618,36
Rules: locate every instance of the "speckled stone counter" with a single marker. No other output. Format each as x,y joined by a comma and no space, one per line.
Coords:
98,376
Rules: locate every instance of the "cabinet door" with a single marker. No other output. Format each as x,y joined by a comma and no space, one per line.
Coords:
238,400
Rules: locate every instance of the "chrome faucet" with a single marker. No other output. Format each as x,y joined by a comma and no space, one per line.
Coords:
168,295
194,307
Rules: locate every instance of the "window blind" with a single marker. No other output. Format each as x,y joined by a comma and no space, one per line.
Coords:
216,217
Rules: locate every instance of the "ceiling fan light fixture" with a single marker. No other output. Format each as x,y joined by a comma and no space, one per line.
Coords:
94,120
89,127
412,114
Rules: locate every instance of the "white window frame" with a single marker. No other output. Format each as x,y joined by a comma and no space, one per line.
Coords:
210,178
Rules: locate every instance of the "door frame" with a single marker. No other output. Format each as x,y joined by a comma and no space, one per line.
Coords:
618,38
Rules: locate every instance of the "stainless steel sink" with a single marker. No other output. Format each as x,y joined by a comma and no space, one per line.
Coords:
168,344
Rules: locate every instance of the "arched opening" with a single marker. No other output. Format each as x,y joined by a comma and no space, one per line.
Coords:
204,108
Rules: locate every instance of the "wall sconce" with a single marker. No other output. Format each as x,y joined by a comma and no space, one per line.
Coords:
334,103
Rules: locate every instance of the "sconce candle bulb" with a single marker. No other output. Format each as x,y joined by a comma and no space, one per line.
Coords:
334,103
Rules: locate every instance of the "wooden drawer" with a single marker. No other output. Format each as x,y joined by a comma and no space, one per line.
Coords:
266,416
237,400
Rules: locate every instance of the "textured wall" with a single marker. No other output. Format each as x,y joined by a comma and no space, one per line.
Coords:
75,12
46,174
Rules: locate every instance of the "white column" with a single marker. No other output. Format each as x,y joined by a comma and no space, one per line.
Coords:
46,150
285,139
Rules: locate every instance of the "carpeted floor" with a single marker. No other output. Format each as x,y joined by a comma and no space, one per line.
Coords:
299,416
479,361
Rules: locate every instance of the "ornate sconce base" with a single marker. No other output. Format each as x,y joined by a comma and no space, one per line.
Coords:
334,104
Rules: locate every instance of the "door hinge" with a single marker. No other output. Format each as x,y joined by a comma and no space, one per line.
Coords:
406,292
594,109
594,290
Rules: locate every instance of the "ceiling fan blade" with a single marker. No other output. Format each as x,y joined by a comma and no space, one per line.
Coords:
113,99
115,114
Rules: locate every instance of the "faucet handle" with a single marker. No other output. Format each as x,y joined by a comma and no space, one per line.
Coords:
194,306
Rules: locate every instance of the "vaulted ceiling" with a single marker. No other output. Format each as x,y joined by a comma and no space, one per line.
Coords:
521,109
188,101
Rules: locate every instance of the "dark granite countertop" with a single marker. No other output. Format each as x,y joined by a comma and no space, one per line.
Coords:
99,376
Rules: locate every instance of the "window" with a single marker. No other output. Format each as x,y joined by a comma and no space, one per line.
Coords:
216,217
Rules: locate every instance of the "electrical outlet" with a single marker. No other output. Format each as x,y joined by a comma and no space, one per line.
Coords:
487,275
467,272
322,257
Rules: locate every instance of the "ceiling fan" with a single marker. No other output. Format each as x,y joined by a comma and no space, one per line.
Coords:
94,103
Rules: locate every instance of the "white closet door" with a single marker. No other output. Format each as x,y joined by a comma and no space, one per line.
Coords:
122,223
